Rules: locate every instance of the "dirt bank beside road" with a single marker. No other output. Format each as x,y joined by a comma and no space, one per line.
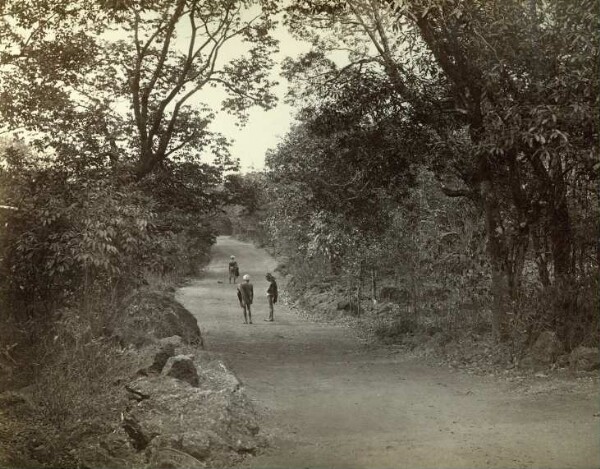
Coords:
329,399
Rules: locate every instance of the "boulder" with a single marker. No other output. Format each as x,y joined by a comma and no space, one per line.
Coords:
563,360
196,443
151,315
171,458
140,438
174,340
393,294
546,349
384,308
94,457
183,368
166,351
185,426
584,359
214,371
347,305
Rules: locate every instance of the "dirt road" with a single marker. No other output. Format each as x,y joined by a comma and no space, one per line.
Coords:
331,401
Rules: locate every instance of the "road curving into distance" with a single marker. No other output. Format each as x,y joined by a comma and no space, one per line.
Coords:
328,400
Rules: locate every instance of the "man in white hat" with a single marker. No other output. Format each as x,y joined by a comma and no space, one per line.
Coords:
245,293
234,270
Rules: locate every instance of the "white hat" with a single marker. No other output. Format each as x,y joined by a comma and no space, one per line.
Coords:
233,257
246,277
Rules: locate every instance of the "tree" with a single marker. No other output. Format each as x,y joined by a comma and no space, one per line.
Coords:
515,110
114,82
350,150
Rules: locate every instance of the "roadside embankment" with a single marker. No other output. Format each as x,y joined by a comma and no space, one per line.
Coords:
146,394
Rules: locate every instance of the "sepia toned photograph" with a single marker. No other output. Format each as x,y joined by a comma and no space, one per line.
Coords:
299,234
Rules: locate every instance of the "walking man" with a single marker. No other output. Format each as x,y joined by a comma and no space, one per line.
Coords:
234,270
245,293
271,295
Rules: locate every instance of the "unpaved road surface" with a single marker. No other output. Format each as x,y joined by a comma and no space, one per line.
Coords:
331,401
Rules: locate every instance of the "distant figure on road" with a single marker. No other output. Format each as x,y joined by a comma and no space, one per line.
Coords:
234,270
271,295
245,293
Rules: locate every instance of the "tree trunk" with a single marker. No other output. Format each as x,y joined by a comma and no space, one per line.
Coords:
374,285
359,288
538,239
500,287
561,241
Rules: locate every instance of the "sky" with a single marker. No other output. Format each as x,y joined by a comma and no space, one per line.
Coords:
264,129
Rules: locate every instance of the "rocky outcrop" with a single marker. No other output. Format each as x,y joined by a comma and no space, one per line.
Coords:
584,359
545,350
170,423
161,358
184,426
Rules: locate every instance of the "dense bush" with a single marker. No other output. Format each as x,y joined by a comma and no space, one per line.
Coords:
88,262
83,239
500,102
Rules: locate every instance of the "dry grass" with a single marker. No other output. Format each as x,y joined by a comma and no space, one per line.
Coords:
77,368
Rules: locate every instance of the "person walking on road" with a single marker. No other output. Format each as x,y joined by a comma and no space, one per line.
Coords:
271,295
245,293
234,270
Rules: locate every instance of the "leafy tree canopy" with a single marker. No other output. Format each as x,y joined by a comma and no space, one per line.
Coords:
117,81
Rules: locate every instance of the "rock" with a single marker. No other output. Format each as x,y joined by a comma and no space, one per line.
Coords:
139,438
544,351
183,368
245,445
136,393
393,294
192,427
197,444
167,350
94,457
383,308
171,458
563,360
151,315
117,444
174,340
162,356
584,359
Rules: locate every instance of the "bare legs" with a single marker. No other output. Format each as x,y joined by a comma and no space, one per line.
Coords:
232,276
270,308
247,314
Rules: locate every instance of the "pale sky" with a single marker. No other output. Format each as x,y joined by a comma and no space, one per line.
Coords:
264,128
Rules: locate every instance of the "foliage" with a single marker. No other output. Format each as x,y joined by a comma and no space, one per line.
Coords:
113,180
114,83
71,237
509,108
243,190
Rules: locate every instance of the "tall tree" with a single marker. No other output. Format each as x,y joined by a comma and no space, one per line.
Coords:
522,104
119,81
